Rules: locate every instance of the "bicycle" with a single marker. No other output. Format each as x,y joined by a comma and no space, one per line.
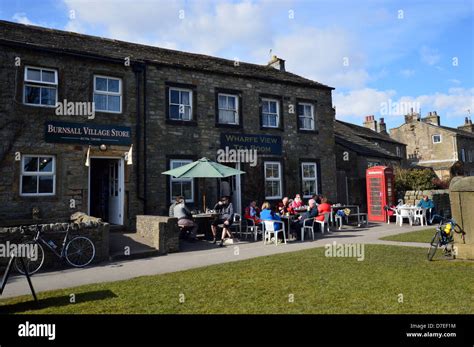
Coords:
79,251
444,239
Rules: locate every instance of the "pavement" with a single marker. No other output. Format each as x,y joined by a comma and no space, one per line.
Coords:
200,254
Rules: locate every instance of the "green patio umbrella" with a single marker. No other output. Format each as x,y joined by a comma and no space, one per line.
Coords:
203,168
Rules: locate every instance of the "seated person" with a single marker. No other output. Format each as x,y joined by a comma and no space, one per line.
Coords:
226,217
185,220
268,214
323,208
283,207
427,204
297,202
171,210
311,213
252,212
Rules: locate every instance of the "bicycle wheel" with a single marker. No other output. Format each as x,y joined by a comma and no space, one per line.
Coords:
80,251
434,245
32,263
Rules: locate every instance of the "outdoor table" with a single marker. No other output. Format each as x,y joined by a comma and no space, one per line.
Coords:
410,209
341,207
203,221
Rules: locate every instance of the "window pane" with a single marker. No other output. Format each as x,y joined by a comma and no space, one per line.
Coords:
309,171
46,164
187,113
33,74
226,117
231,103
32,95
174,96
101,84
174,112
45,184
185,97
29,184
48,76
48,96
309,187
114,103
114,85
186,190
300,110
273,107
100,102
30,164
272,120
265,107
222,101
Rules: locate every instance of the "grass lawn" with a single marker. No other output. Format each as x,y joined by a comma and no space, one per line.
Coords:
318,284
413,236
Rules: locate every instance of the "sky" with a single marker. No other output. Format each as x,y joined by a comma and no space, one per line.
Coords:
383,57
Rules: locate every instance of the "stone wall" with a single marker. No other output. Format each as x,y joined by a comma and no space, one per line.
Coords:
162,231
98,233
440,199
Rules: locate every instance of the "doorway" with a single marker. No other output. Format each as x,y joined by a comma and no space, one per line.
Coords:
231,186
106,189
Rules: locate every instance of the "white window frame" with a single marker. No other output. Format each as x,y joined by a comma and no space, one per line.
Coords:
272,179
398,151
433,138
278,120
236,110
315,178
40,84
191,110
37,174
313,121
107,93
174,179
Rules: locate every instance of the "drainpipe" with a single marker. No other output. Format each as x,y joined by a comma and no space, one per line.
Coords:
145,112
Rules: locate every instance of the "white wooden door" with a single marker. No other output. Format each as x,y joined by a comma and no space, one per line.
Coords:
116,192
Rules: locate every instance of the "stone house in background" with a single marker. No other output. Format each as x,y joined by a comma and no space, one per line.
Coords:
358,148
432,145
173,107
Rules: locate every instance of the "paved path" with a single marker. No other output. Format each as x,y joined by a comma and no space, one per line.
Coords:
197,255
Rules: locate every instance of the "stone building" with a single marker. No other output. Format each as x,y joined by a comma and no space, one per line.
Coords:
430,144
173,107
358,148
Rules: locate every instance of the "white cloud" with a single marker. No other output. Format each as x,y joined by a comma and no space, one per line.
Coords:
429,56
407,72
356,104
20,17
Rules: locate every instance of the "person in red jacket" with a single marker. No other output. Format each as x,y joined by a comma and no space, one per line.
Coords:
252,212
323,208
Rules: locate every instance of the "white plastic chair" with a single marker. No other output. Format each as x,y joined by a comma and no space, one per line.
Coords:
420,215
402,213
325,223
251,229
237,223
269,230
308,224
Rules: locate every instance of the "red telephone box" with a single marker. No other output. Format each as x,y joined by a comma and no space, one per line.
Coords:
380,192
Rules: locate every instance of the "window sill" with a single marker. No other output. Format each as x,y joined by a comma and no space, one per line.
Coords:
181,122
223,125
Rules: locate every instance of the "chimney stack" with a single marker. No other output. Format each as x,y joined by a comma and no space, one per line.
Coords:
432,118
370,122
382,126
277,63
467,126
412,116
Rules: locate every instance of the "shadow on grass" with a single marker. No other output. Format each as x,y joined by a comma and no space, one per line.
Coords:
56,301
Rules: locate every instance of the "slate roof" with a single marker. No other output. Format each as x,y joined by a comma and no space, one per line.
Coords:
458,131
34,36
347,137
369,133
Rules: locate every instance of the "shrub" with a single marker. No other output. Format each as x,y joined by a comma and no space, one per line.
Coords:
415,179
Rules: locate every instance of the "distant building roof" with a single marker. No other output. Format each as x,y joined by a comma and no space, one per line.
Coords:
63,41
454,130
346,136
369,133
